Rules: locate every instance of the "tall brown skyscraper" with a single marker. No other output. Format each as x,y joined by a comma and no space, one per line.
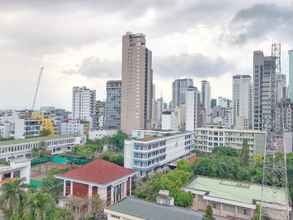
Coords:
137,81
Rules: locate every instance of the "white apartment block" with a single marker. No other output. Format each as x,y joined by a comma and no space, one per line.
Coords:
13,149
71,127
192,103
84,105
242,102
26,127
207,139
151,150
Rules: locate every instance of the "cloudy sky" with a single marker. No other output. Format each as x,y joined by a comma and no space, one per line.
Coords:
79,43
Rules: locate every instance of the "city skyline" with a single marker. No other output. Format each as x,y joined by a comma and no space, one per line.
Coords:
89,55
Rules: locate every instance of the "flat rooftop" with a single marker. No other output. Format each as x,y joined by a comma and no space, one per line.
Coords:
28,140
236,191
152,211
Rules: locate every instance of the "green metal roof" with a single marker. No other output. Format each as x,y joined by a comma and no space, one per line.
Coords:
28,140
236,191
152,211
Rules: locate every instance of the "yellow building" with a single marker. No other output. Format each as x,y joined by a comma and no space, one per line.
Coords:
47,123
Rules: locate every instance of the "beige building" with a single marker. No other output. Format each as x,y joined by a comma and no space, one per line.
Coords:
137,81
237,200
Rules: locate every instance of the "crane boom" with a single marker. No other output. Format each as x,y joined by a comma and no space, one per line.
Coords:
37,88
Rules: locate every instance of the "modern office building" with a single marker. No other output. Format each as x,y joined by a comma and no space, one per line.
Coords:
15,149
206,98
237,200
283,121
207,139
113,105
192,108
179,88
137,83
242,102
224,102
222,116
290,87
213,103
169,121
84,105
264,90
151,150
281,87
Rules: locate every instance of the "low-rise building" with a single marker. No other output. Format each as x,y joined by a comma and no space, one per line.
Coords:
111,182
150,150
206,139
136,209
237,200
71,127
22,148
27,127
10,170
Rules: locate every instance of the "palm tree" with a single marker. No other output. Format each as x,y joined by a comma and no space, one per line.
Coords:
39,205
12,198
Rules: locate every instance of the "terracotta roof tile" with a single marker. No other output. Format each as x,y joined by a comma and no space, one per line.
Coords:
98,171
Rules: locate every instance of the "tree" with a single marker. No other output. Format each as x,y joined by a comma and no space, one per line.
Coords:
256,215
40,206
12,198
96,208
46,132
208,214
244,155
117,140
183,165
52,186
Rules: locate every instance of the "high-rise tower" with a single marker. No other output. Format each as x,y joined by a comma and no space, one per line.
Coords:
137,81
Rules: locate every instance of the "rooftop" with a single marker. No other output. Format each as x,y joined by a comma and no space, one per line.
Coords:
236,191
152,211
98,171
28,140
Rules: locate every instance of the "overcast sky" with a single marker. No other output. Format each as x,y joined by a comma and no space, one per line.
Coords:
79,43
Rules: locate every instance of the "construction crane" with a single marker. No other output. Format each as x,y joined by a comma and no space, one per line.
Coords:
37,87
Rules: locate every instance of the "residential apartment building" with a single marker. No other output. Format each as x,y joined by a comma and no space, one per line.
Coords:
13,149
71,127
206,98
290,87
242,102
207,139
27,127
179,88
264,90
113,105
137,83
157,113
151,150
237,200
84,105
192,105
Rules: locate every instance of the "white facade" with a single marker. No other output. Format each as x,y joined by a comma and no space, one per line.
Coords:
84,105
13,149
98,134
169,121
191,109
242,102
149,150
27,128
71,127
207,139
15,169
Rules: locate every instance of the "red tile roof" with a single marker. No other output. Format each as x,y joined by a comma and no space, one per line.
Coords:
98,171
